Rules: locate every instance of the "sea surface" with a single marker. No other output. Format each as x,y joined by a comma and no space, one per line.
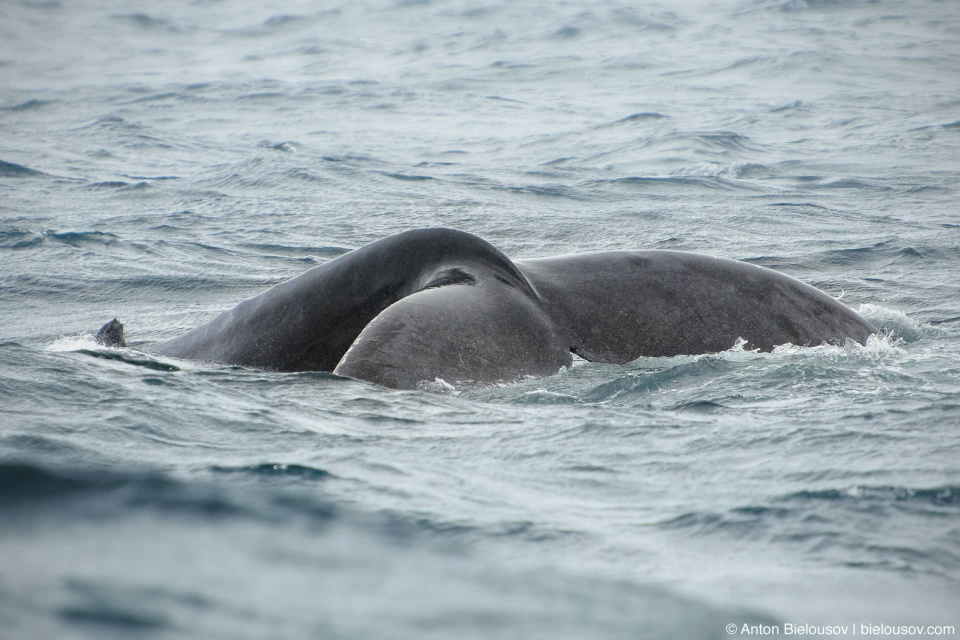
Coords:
160,162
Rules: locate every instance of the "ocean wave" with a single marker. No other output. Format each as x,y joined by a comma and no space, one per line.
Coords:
28,105
13,170
289,146
945,495
144,21
798,508
278,172
707,141
883,253
110,184
139,553
556,190
737,170
666,146
284,23
120,132
893,324
544,396
19,239
36,448
294,251
850,527
860,184
790,6
656,21
647,375
640,116
116,492
406,176
699,406
639,382
22,483
127,356
672,184
26,239
86,344
271,470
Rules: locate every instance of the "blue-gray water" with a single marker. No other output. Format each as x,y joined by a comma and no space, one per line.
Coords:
162,161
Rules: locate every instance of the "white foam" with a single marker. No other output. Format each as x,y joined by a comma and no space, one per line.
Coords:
575,361
737,353
892,321
84,341
545,396
438,385
878,346
88,342
700,169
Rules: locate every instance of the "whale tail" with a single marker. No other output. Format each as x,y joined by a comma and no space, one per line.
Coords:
111,334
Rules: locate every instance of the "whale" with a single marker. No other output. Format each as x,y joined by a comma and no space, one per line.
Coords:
443,304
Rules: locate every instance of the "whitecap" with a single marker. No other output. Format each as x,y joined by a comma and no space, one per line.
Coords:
75,343
891,321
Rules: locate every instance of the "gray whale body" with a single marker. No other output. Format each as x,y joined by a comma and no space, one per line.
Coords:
440,303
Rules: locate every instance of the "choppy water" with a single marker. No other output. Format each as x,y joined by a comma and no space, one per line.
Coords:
160,162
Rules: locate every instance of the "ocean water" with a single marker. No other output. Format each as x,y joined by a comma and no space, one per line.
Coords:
160,162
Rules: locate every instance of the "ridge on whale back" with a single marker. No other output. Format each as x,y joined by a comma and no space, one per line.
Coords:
440,303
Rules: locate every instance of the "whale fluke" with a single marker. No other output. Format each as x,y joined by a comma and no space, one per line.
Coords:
440,303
